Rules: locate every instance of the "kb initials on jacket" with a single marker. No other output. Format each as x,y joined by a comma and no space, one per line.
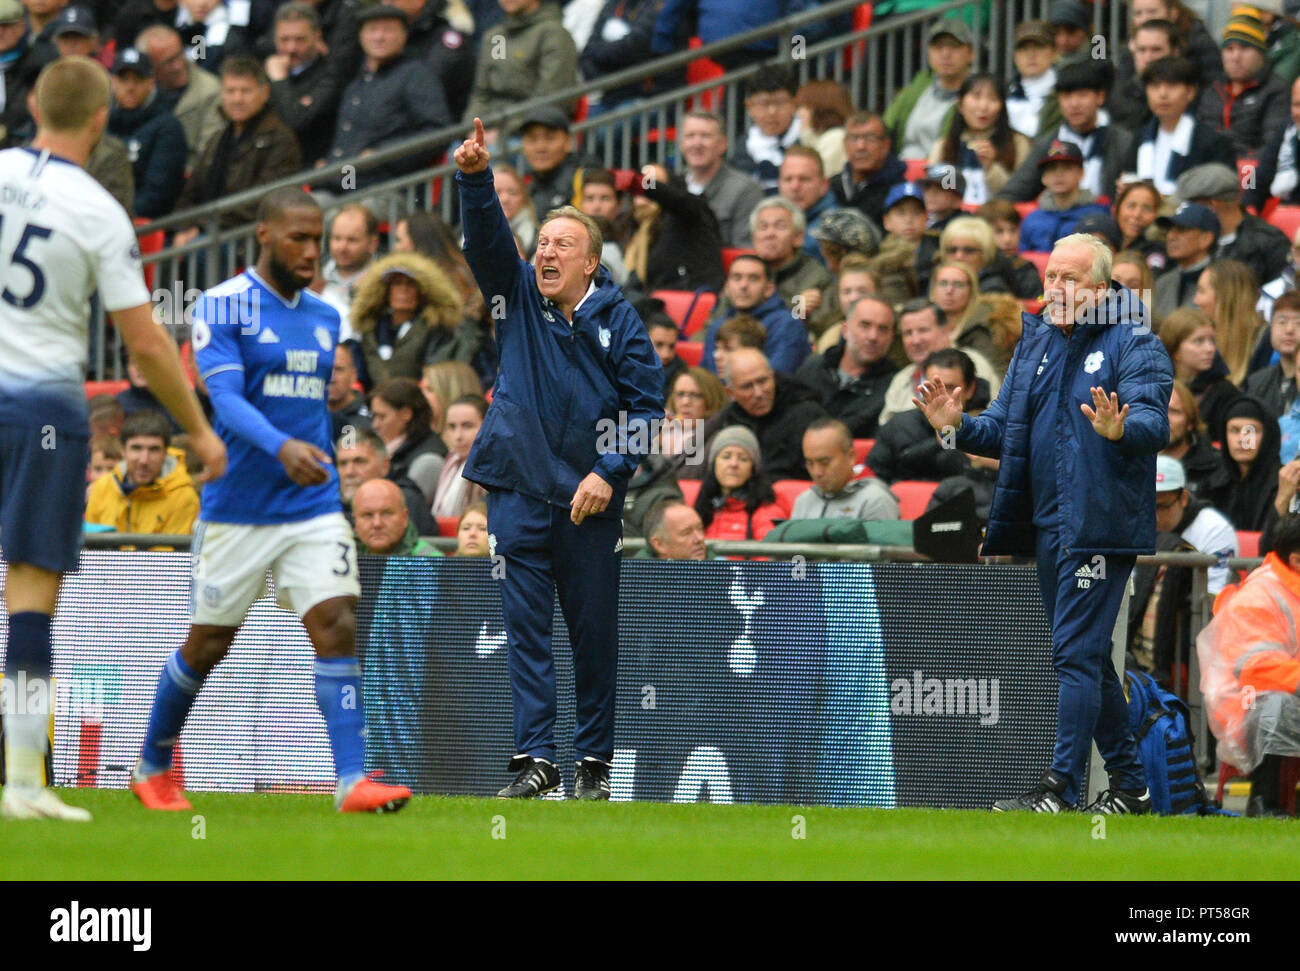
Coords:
296,385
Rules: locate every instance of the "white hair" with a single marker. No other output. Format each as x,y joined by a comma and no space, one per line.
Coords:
779,202
1102,258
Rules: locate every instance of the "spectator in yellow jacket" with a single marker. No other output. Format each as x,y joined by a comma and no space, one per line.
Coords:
149,491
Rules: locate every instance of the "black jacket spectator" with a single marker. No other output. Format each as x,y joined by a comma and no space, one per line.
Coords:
557,187
780,431
212,42
444,48
654,480
869,197
266,150
19,76
1200,462
308,103
907,447
401,99
1274,390
621,39
1289,140
339,27
1262,247
687,251
859,403
1256,116
1247,502
155,143
1207,145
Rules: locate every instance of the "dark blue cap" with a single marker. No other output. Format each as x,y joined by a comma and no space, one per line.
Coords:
904,190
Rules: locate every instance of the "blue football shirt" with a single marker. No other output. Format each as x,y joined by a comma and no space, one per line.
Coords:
285,352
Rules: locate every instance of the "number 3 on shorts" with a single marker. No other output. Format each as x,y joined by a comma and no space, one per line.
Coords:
345,565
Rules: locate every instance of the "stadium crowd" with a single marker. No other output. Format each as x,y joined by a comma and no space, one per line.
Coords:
833,260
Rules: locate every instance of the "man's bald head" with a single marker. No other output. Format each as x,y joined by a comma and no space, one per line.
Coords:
751,382
379,510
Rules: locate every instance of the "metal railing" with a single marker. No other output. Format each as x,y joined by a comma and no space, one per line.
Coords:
874,63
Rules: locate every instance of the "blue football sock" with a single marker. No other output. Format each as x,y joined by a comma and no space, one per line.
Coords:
28,698
177,687
338,692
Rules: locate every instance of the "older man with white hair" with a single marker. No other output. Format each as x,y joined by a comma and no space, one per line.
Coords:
778,226
1081,415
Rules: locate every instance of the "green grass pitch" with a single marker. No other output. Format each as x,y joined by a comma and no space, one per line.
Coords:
289,837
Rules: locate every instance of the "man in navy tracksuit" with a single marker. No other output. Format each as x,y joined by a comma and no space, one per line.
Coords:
578,379
1078,422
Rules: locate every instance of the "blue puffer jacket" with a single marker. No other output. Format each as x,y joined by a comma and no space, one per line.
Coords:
556,382
1106,489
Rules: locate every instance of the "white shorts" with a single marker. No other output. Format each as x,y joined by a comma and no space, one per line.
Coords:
310,561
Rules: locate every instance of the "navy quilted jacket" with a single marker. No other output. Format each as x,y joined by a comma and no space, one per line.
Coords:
1106,489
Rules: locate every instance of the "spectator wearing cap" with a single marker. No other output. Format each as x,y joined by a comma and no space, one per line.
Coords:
1102,226
907,447
925,329
305,85
803,181
406,314
1278,174
1189,240
1062,203
829,456
839,233
872,170
736,501
945,188
750,289
542,59
189,92
1032,105
1242,236
1071,25
921,113
441,36
1173,141
74,33
676,245
21,64
154,138
730,193
554,170
775,127
850,378
775,408
1081,88
394,97
254,148
909,247
1204,528
980,139
1149,41
1251,106
1275,385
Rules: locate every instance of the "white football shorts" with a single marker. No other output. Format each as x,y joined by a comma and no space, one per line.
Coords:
310,561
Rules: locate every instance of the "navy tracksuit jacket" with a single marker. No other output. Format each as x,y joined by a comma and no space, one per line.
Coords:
560,387
1085,506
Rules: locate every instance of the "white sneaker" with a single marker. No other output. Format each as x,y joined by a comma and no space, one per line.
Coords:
38,804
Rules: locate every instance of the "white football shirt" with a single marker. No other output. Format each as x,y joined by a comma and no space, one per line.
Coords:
62,237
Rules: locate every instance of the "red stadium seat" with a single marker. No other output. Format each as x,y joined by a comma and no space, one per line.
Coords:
861,21
1246,170
581,110
447,525
105,387
729,253
1033,305
690,490
705,69
915,168
1038,258
150,243
1248,543
690,352
788,490
689,310
1287,219
1025,208
912,497
862,448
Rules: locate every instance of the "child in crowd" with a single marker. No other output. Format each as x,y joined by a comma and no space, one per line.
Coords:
1062,203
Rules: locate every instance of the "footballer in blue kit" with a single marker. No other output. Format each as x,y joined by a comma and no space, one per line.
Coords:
265,347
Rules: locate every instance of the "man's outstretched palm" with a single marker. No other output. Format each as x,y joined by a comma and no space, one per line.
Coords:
473,156
941,404
1107,416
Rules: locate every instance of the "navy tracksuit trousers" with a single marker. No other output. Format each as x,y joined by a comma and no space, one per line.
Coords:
1081,609
545,554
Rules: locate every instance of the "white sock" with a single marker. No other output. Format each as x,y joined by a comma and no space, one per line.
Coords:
25,743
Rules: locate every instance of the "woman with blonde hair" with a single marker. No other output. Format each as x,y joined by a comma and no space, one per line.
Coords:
970,240
1130,268
443,383
1188,336
1227,292
822,108
953,288
696,393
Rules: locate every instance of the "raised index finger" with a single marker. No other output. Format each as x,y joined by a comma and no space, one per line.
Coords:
480,138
